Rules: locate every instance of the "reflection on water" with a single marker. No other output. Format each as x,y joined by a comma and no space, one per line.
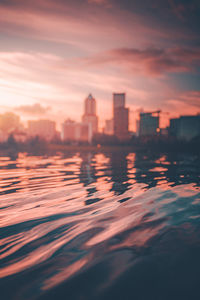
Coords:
113,225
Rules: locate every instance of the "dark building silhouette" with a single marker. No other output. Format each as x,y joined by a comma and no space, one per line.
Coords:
185,127
148,124
120,117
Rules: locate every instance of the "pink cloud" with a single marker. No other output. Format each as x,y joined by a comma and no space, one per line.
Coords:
106,3
34,109
90,27
151,61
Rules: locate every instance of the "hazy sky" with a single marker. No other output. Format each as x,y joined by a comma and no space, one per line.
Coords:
55,53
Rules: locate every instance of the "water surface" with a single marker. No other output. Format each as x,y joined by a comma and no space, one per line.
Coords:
111,225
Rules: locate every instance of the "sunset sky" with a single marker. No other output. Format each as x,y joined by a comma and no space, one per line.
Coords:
54,53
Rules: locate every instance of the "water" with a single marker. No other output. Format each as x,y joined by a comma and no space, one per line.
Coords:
100,226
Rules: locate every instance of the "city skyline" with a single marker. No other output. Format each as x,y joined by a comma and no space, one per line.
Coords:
54,54
88,113
117,128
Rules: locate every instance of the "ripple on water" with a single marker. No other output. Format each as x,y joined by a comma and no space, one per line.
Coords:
110,223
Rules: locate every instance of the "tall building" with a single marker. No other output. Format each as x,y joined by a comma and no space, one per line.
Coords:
148,124
185,127
76,132
89,116
43,128
120,116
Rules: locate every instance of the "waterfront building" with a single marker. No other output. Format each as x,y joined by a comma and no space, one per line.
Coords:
120,116
90,117
148,124
185,127
76,132
3,136
43,128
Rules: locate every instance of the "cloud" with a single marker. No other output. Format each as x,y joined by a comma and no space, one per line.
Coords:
151,61
182,9
86,25
106,3
35,109
191,98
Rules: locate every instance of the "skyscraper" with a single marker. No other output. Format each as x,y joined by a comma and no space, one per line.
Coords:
120,116
90,116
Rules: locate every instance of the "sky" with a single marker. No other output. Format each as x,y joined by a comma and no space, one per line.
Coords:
54,53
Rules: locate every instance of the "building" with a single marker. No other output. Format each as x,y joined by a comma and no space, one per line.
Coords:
3,136
120,116
45,129
148,124
119,100
19,136
9,122
89,116
185,127
109,127
76,132
137,127
174,127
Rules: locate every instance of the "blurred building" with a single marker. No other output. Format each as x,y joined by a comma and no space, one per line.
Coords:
3,136
109,127
137,127
164,131
120,116
76,132
185,127
9,122
43,128
173,127
149,123
19,135
89,116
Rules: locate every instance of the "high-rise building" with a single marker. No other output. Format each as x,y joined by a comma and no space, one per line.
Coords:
148,124
42,128
120,116
89,116
119,100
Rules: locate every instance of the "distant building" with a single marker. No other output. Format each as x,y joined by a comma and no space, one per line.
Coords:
137,127
89,116
19,136
185,127
120,116
174,127
148,124
43,128
164,131
3,136
109,127
9,122
119,100
76,132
